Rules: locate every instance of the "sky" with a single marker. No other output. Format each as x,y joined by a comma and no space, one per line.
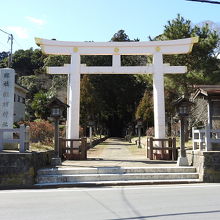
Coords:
93,20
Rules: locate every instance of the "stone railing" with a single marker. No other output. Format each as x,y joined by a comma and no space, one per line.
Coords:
23,140
204,138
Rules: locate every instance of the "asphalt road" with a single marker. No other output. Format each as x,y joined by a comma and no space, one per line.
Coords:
199,201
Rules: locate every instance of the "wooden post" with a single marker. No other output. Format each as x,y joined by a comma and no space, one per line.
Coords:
71,146
170,145
174,149
83,149
162,149
147,153
151,148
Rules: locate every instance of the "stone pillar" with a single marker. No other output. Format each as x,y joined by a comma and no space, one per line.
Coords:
74,97
182,159
158,90
7,85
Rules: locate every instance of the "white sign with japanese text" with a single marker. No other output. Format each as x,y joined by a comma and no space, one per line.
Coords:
7,84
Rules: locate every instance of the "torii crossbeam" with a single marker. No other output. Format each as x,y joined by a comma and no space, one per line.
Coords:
155,48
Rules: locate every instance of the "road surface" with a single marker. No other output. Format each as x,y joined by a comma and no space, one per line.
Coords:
163,202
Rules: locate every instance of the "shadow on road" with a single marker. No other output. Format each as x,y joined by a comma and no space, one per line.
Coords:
170,215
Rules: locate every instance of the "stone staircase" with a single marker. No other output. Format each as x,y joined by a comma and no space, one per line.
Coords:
108,176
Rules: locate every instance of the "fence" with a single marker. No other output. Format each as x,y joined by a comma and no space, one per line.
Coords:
203,138
166,149
23,140
73,149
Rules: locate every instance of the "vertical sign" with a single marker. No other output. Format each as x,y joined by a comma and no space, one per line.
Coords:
7,81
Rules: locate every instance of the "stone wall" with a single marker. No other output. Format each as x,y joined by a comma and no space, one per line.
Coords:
18,170
207,164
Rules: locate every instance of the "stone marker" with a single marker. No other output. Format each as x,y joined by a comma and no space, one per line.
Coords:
7,84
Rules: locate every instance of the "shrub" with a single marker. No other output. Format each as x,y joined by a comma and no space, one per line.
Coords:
41,131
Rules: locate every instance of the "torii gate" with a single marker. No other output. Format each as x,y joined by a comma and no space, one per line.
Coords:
155,48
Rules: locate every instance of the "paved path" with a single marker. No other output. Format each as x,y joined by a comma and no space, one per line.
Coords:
117,152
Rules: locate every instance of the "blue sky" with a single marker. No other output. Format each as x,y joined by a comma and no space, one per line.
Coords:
97,20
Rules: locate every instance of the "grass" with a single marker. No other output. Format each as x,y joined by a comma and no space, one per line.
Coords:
188,144
39,147
136,151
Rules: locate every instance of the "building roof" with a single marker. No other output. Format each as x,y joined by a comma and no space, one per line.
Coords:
181,100
19,87
56,101
207,90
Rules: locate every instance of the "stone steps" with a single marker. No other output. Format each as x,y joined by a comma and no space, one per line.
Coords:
115,176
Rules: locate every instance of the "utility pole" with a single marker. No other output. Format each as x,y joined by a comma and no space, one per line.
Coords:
11,38
10,56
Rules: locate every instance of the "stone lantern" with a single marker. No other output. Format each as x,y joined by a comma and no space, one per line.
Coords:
182,108
57,107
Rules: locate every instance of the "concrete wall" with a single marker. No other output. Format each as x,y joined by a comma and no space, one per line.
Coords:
207,164
18,170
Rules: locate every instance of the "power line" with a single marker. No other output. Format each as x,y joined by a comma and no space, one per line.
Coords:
18,43
5,45
205,1
11,38
5,32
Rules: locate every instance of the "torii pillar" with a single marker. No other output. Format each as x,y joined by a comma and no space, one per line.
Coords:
155,48
158,95
73,113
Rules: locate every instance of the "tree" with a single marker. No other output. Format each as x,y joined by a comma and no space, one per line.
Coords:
4,59
40,104
145,109
115,97
35,84
4,55
28,62
201,62
87,101
120,36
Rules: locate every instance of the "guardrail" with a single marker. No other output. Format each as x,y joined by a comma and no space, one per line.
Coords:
203,138
23,140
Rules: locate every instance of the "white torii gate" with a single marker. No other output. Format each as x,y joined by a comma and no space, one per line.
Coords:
155,48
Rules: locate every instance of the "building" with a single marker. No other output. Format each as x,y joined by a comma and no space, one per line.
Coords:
19,102
207,106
